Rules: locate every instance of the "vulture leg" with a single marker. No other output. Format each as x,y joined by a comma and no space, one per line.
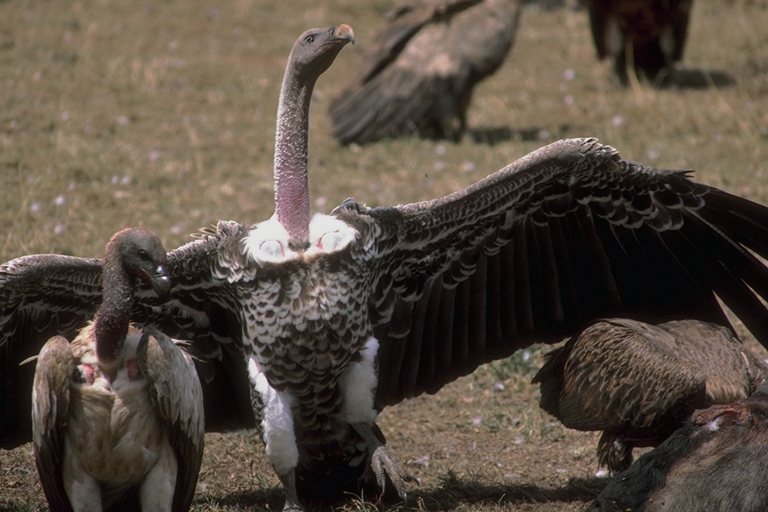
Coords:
291,496
358,384
383,463
278,433
613,453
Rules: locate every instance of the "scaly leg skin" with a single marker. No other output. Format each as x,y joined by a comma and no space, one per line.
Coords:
291,496
383,463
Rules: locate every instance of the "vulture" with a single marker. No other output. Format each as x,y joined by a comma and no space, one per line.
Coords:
718,462
641,37
419,76
117,414
639,382
339,315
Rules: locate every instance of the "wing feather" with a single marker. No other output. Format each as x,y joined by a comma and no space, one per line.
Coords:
177,397
565,235
46,295
42,296
52,380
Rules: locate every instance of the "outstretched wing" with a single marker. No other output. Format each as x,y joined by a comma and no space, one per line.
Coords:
566,234
46,295
203,309
40,296
177,398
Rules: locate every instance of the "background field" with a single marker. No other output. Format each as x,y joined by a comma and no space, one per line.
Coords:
161,113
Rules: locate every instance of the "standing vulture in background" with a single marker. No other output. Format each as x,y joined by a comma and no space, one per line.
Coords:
117,415
718,462
644,36
340,315
419,77
638,382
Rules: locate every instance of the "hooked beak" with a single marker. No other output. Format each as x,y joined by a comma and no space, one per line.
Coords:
160,280
344,32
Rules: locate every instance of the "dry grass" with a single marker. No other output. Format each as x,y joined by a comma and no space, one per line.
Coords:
162,114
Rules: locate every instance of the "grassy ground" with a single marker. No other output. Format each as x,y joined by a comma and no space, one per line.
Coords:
162,114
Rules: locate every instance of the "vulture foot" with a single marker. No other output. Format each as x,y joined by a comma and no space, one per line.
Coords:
385,465
291,496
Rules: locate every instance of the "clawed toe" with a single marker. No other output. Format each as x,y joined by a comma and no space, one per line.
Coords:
384,465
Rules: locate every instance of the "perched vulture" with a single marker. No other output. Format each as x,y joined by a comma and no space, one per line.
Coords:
340,315
718,462
647,36
117,415
419,77
639,382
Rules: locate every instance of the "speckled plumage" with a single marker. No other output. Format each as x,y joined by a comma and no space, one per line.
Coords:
566,234
639,382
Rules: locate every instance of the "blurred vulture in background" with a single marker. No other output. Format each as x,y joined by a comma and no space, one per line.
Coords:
644,36
639,382
419,76
717,462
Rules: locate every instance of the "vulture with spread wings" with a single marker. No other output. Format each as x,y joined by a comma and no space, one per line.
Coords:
340,315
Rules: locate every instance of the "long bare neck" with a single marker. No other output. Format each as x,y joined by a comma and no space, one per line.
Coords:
113,316
291,154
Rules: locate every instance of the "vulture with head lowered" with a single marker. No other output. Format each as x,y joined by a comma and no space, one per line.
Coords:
117,415
642,37
337,316
638,382
419,77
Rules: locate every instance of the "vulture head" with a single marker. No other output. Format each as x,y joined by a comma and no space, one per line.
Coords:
315,50
141,255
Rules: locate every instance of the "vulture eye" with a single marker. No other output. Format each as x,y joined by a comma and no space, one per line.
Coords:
272,248
310,39
144,255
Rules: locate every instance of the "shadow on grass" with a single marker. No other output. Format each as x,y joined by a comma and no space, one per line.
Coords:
258,499
456,493
700,79
492,135
453,493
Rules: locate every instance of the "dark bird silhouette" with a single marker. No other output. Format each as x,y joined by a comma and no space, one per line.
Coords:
639,382
642,37
718,462
419,77
118,413
340,315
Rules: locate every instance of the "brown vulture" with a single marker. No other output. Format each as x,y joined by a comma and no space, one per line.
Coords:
639,382
419,76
